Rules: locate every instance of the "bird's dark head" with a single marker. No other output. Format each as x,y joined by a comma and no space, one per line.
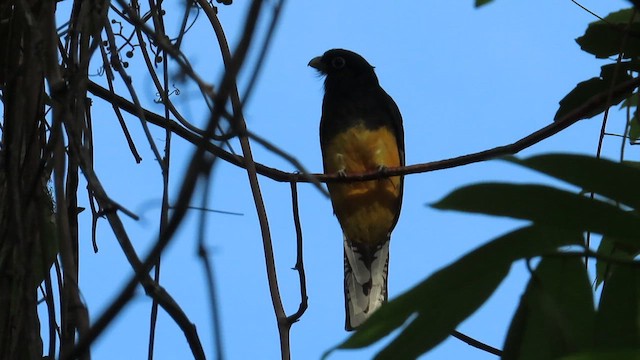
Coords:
344,67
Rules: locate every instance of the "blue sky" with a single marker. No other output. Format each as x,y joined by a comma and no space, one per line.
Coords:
465,80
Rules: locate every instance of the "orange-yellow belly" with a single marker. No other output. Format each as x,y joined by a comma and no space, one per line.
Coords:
366,210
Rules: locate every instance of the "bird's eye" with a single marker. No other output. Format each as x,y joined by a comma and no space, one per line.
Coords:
338,63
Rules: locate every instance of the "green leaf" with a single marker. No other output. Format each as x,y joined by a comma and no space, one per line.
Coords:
614,180
619,354
441,302
611,249
631,101
618,313
608,71
634,127
480,3
587,89
545,205
605,38
556,314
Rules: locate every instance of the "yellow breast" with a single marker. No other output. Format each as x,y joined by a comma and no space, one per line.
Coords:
366,210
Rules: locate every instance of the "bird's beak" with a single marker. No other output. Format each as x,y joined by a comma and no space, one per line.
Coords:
317,64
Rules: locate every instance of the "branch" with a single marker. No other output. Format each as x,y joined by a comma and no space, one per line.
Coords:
197,166
232,65
299,260
476,344
208,271
569,119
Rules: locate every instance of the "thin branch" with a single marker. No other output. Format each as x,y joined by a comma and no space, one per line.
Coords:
277,10
197,166
165,44
51,313
292,160
605,117
594,255
476,344
117,65
116,109
164,213
299,258
569,119
200,208
208,271
163,90
232,66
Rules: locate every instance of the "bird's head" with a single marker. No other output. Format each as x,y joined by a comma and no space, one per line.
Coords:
342,67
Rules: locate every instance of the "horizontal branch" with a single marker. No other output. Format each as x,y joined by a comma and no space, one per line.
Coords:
582,112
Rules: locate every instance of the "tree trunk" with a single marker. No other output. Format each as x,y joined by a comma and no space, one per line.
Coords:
23,181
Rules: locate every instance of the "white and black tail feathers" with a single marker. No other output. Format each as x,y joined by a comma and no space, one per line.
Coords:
365,280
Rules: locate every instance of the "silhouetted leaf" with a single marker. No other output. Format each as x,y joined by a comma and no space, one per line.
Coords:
437,305
598,85
618,313
545,205
631,101
480,3
556,314
605,38
612,250
614,180
626,354
634,127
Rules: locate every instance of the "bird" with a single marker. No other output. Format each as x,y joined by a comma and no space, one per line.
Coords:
361,131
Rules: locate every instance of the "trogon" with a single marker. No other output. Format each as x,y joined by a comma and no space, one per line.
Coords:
361,131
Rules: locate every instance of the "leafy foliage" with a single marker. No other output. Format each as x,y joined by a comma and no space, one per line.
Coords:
614,35
587,89
604,38
556,316
480,3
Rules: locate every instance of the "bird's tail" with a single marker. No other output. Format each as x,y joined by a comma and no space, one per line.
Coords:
365,280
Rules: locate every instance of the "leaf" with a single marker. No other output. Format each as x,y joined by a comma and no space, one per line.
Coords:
545,205
480,3
611,249
626,354
631,101
618,313
634,127
435,307
589,88
556,314
605,38
614,180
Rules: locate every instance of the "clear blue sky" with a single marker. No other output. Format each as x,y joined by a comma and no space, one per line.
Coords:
465,80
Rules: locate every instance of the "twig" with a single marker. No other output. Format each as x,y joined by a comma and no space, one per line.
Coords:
51,313
292,160
164,44
163,90
208,271
299,258
476,344
605,117
195,168
277,10
116,109
200,208
117,65
594,255
281,176
232,65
